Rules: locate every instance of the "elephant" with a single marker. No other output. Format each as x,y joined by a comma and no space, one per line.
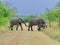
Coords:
36,21
17,22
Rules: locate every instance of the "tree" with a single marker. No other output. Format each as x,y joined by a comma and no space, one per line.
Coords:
58,4
6,13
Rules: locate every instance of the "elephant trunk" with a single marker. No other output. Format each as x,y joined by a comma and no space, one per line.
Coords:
25,23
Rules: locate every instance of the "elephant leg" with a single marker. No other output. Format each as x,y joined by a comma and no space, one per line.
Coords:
31,28
39,28
11,27
21,26
17,27
28,28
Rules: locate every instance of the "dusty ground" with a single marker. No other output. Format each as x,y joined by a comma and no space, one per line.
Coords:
26,38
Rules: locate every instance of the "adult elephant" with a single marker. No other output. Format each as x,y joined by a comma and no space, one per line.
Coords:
36,21
17,22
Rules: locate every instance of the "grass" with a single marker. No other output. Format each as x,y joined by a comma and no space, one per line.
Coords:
3,21
2,31
53,32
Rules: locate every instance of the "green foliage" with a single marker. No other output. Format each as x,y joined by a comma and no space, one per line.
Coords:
6,13
29,17
56,37
3,10
58,4
3,21
53,16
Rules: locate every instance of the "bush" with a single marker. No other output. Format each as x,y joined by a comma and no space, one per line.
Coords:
3,21
29,17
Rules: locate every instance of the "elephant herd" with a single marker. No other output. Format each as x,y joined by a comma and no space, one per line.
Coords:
34,21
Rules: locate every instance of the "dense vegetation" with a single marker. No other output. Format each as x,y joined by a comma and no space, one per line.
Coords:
53,18
30,17
6,12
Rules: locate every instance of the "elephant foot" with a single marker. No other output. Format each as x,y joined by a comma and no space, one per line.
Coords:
21,30
31,30
28,30
11,29
16,28
39,29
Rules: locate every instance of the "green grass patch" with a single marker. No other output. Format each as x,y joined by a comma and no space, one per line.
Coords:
56,37
3,21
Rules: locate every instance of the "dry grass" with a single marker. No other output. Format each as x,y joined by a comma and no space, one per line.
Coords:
4,29
53,31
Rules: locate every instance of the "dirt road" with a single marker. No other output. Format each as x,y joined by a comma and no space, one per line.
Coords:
26,38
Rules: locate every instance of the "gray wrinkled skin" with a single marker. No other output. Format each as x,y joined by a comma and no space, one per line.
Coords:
17,22
36,21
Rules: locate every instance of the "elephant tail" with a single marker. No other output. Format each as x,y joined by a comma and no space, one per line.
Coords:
26,24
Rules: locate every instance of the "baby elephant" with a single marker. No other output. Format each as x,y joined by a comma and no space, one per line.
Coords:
36,21
17,22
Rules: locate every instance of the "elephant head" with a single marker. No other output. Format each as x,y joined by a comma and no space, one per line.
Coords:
44,25
22,21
